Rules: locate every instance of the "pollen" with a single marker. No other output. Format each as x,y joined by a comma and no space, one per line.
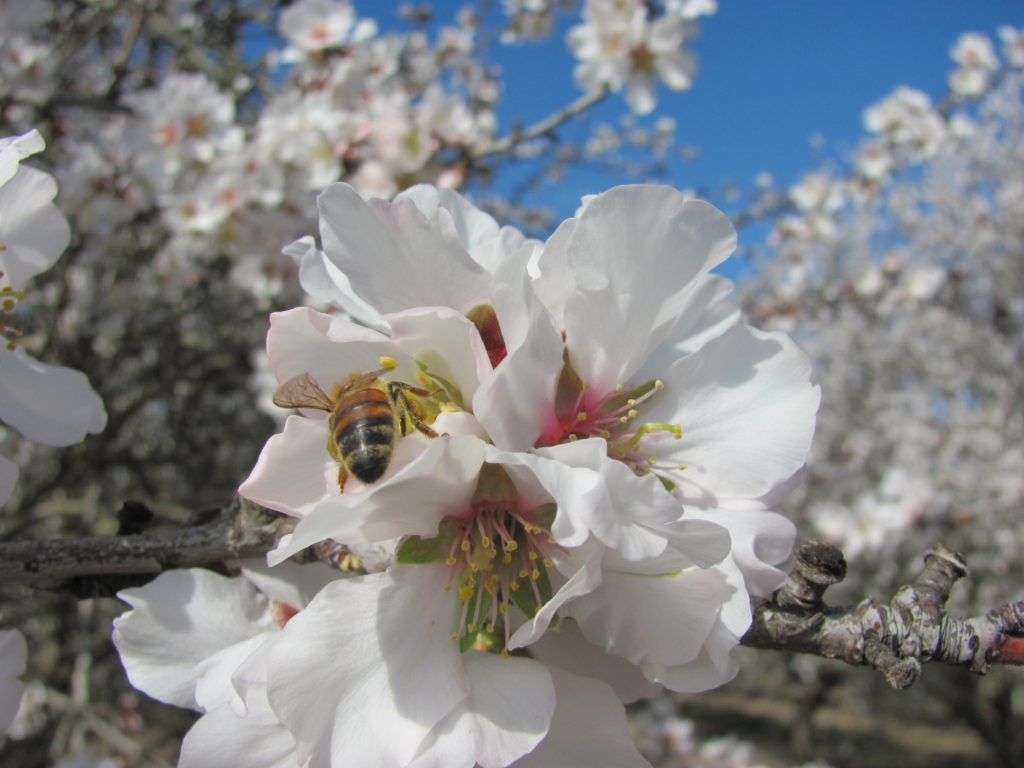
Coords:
387,362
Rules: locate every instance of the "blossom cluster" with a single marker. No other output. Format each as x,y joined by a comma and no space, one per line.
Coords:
47,404
555,462
915,243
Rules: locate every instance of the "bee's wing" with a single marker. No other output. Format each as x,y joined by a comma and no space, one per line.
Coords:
302,391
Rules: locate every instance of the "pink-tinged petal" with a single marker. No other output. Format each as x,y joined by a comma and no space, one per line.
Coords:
303,340
413,264
48,404
223,739
290,583
446,342
632,254
362,675
412,502
8,477
747,409
289,475
597,495
32,230
760,541
516,403
652,619
177,621
589,729
507,713
12,664
566,648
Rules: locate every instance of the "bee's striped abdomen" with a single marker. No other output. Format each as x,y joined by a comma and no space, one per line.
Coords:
363,429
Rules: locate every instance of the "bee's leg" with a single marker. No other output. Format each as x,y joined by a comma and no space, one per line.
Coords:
410,412
342,477
332,449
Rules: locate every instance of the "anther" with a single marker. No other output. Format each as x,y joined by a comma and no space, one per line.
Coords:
581,416
387,362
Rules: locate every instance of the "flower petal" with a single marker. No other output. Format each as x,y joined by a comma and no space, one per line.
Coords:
506,714
747,409
589,729
373,704
413,265
177,621
48,404
289,474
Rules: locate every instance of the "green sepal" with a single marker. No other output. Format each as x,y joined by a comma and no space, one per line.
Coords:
567,394
620,401
524,598
453,393
416,550
544,515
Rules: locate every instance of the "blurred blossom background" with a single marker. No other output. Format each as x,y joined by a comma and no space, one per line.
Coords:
871,156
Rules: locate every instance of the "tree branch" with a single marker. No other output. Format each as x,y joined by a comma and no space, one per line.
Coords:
542,127
896,639
239,531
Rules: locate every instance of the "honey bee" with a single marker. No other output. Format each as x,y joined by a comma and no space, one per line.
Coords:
365,414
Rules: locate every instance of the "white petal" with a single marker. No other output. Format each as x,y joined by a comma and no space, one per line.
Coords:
363,674
659,619
632,254
327,347
12,664
393,257
289,474
515,404
325,282
506,714
446,342
747,410
223,739
597,495
760,541
290,583
589,729
412,502
48,404
32,230
14,149
566,648
706,313
180,619
452,213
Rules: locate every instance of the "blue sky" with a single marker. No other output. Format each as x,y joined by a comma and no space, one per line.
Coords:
773,73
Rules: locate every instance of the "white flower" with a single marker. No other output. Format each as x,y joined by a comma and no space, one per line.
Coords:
312,25
199,640
619,47
48,404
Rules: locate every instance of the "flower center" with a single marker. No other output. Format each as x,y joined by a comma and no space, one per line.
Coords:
614,417
498,559
499,556
9,299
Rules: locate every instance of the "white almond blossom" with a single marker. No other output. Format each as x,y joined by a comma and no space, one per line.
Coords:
620,47
547,535
48,404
